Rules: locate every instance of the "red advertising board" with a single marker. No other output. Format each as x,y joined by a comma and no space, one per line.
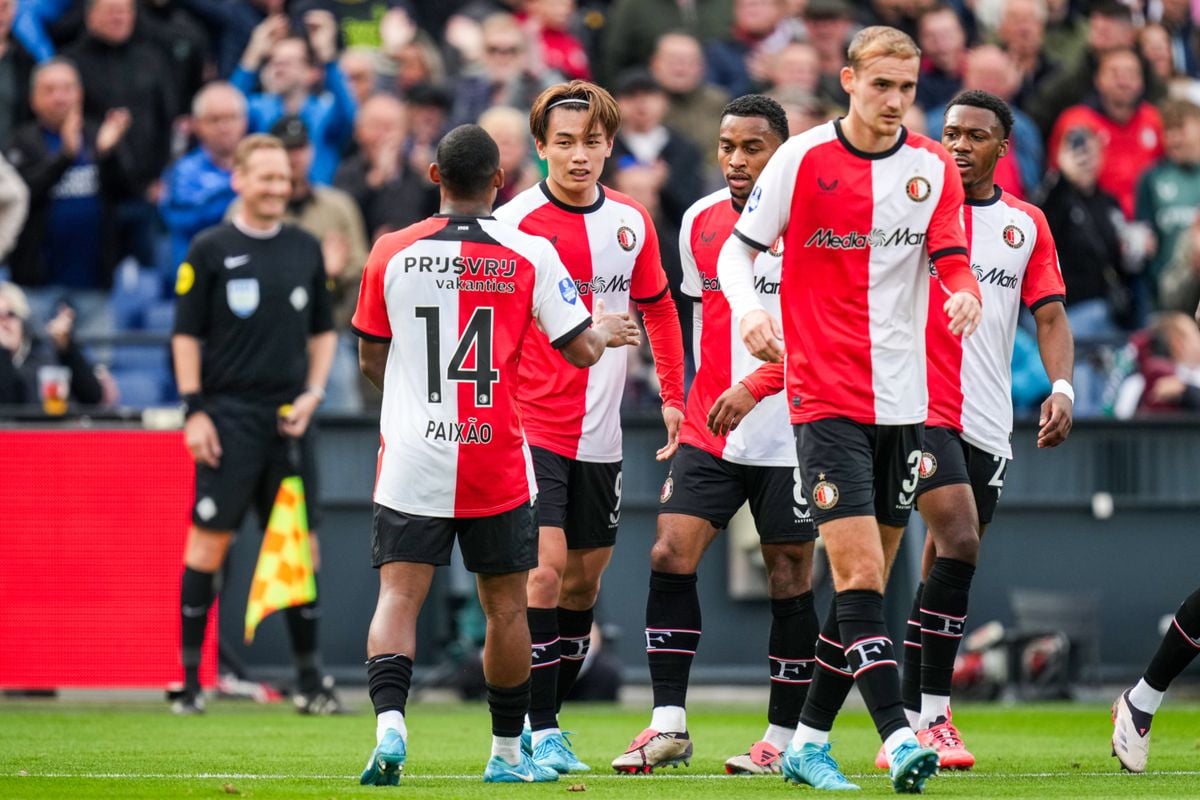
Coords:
92,528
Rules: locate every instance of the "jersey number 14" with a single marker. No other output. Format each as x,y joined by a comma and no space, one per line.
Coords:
476,338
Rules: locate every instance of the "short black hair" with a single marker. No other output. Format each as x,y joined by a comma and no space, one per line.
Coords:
467,160
759,105
977,98
1111,9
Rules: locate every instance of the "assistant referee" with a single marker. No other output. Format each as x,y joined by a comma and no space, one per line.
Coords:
253,344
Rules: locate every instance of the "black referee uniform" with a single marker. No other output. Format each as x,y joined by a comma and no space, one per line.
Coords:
254,302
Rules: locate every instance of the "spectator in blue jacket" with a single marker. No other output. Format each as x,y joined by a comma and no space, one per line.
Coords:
293,67
197,188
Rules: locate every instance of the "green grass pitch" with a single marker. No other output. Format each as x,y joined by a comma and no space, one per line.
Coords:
57,749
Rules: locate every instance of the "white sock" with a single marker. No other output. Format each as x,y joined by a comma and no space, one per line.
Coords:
669,719
508,748
390,720
914,719
893,742
932,707
806,735
540,736
778,736
1145,698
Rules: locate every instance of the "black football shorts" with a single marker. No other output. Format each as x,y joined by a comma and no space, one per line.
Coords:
702,485
851,469
581,497
498,544
949,459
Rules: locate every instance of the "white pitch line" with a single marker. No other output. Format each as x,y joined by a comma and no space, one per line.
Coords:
579,777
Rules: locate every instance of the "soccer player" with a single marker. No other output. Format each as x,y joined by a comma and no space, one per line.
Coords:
735,446
253,333
1134,710
862,205
443,309
572,418
967,450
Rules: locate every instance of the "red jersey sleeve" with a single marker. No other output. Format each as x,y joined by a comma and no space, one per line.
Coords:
370,319
649,280
765,381
666,343
1043,282
947,239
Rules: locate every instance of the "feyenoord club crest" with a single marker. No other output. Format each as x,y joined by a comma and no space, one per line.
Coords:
626,238
917,189
777,248
1013,236
668,489
928,466
825,494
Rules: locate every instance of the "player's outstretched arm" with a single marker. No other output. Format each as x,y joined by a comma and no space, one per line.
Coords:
372,360
1057,348
608,330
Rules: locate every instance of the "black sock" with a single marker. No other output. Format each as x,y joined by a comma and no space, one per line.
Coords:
195,597
574,641
543,676
871,657
910,678
943,617
302,630
1179,646
794,628
832,680
508,706
672,634
388,678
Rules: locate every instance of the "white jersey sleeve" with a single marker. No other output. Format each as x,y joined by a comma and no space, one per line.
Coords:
559,311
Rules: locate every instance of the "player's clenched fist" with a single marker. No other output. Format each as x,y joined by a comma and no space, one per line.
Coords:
964,311
762,336
618,329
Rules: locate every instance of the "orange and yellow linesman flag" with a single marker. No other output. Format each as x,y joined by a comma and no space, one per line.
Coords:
284,575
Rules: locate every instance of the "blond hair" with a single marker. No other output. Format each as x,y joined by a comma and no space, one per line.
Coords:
252,144
880,41
600,106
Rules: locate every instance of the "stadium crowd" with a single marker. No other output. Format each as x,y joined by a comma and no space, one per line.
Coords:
119,118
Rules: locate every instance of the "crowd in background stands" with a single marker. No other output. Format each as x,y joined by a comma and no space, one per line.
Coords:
118,121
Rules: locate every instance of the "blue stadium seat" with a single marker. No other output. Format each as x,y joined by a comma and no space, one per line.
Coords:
159,316
147,357
139,388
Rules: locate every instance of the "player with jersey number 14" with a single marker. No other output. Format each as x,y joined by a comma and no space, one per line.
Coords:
443,309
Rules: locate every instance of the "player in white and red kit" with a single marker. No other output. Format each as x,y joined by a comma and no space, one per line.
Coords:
443,310
736,445
863,205
967,450
572,417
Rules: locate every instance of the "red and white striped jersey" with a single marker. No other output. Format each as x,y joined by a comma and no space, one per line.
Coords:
764,438
970,381
858,230
610,249
455,297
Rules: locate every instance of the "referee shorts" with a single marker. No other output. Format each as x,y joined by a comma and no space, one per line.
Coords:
255,459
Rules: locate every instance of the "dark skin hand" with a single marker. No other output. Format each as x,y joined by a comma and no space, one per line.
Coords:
730,409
